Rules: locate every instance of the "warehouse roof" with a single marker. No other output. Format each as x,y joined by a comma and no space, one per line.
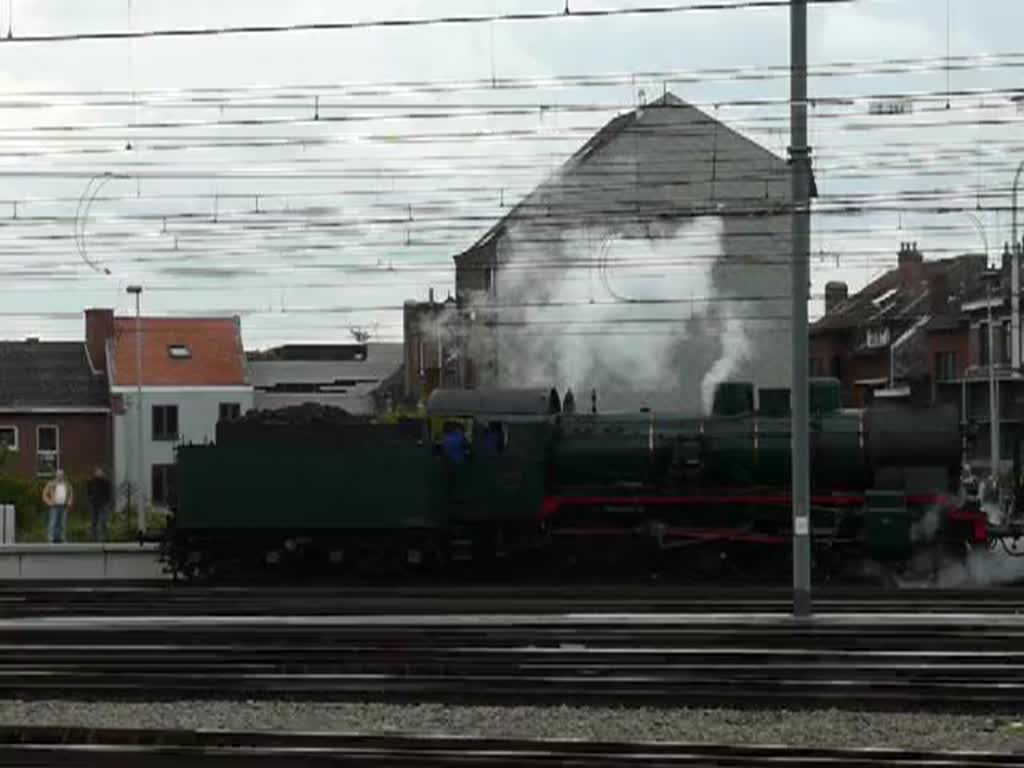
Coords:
611,131
49,374
505,402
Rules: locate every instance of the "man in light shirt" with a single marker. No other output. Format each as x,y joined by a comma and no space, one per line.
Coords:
58,496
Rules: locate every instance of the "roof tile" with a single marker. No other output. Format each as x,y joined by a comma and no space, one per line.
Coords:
216,357
49,374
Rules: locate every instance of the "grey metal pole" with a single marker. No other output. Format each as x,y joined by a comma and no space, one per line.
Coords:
800,155
140,476
1015,255
993,391
993,402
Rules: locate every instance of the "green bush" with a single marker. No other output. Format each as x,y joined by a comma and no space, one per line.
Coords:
32,514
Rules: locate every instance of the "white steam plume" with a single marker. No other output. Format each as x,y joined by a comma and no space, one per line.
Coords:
633,314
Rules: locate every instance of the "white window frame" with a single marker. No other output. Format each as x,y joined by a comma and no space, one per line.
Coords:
877,338
4,427
40,453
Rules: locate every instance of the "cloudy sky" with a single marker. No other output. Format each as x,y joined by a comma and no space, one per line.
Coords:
194,166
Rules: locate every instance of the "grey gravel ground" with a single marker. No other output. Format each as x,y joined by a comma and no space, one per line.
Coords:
820,728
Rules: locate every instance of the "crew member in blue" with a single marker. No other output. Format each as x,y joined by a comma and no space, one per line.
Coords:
454,443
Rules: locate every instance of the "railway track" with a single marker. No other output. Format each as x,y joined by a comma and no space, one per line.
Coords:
938,662
79,747
169,600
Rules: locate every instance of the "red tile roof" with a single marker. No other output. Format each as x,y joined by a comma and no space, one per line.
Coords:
216,357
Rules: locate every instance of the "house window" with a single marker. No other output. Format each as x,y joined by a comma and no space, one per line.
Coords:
1007,346
165,422
48,450
230,411
983,344
9,438
946,368
815,367
836,371
179,352
877,337
163,484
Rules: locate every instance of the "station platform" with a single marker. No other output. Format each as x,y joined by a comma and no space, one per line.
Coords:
80,562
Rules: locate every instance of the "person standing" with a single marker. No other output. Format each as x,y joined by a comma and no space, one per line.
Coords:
59,497
100,495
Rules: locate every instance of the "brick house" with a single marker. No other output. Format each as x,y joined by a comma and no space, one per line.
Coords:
905,327
924,327
54,409
193,373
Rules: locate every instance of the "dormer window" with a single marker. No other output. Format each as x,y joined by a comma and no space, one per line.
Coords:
877,337
179,352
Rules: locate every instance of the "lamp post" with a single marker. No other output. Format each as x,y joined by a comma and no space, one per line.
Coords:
993,401
136,290
1015,255
992,276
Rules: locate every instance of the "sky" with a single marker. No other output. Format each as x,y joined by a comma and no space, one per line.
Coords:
194,167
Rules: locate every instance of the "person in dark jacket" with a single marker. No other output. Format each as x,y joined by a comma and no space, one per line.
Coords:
101,497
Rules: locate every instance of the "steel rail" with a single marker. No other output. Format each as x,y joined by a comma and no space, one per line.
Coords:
114,600
939,662
80,746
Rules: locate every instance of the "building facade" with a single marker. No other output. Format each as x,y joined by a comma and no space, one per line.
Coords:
346,376
432,354
54,409
193,373
668,223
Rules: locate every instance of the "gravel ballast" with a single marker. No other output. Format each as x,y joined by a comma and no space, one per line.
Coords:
818,728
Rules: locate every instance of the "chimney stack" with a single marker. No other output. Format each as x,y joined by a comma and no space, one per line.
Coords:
836,293
911,264
938,293
99,328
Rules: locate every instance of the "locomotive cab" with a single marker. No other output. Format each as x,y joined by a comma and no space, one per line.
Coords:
502,476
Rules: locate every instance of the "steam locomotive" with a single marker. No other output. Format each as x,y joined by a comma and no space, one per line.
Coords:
541,487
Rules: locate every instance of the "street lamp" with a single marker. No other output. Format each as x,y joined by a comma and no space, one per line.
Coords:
136,290
992,278
1015,255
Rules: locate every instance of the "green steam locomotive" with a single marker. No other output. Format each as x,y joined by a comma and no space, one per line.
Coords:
520,481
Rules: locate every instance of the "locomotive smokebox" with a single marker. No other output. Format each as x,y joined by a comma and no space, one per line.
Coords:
903,435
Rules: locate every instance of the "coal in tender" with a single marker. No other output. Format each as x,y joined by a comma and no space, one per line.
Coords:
311,424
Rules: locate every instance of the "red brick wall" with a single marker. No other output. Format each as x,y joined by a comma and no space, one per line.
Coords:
85,441
99,328
957,341
825,349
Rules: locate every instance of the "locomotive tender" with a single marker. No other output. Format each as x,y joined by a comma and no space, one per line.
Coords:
543,484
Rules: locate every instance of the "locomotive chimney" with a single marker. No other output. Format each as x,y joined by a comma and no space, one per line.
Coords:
836,293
